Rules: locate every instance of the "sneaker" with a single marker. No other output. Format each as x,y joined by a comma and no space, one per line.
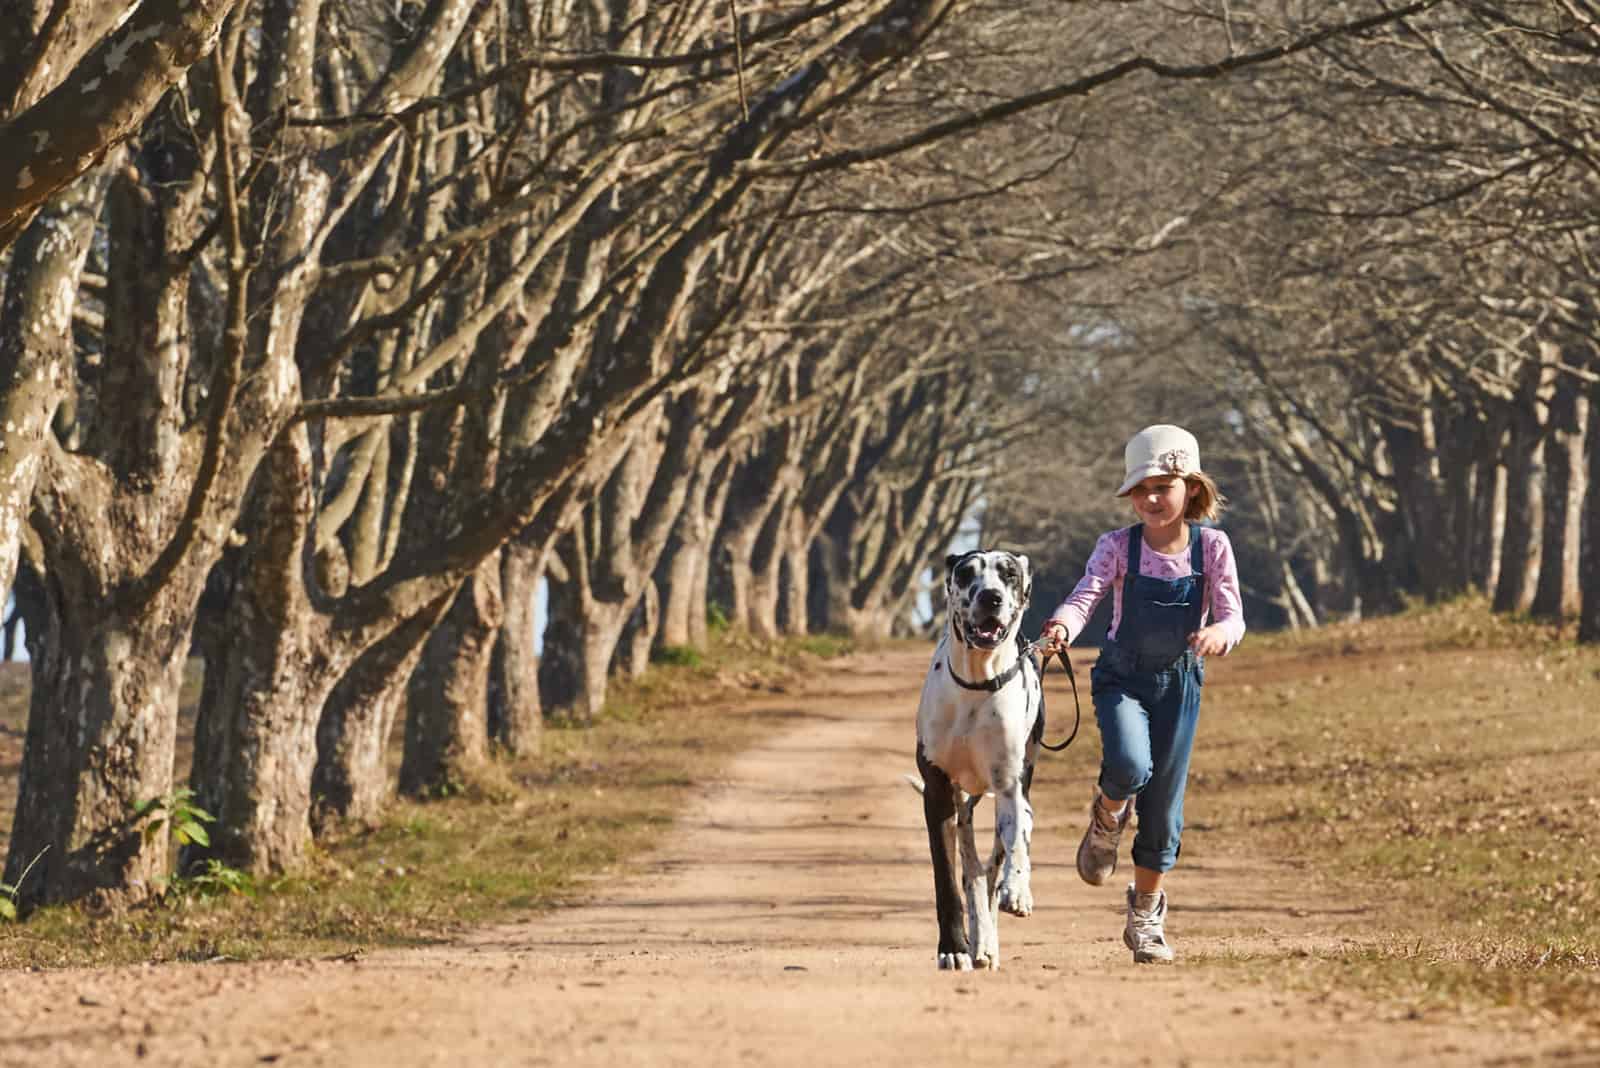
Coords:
1146,932
1097,853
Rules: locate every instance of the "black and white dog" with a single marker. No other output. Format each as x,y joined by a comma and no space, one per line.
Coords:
978,731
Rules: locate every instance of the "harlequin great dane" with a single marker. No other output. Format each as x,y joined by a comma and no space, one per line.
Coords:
978,730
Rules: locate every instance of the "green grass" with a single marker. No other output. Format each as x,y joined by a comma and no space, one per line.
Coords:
523,836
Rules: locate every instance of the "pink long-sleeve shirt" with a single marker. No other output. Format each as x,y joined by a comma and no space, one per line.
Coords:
1108,565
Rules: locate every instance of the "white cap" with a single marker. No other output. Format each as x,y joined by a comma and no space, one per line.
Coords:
1162,449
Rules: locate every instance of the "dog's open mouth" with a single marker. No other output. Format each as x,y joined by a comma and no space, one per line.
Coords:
987,632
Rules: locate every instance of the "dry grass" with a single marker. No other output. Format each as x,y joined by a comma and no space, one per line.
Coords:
1443,766
524,837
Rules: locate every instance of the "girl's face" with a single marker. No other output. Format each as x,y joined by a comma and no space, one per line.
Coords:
1161,500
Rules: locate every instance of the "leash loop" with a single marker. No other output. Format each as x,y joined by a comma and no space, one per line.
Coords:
1077,707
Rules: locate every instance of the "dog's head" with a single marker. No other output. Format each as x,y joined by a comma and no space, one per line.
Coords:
987,591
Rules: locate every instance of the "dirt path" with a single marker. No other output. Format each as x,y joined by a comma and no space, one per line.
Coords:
787,920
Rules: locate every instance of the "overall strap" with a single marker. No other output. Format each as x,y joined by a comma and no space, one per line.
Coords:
1197,555
1135,544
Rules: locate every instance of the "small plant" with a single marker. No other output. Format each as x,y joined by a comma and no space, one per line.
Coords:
716,617
178,811
215,880
679,656
8,892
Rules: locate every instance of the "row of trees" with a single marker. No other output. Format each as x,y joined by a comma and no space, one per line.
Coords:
376,293
387,315
1377,299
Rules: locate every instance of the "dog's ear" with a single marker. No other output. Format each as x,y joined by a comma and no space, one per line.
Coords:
950,562
1027,575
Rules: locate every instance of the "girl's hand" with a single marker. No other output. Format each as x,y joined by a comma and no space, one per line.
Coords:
1208,641
1053,635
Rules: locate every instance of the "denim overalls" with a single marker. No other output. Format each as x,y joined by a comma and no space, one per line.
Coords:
1146,687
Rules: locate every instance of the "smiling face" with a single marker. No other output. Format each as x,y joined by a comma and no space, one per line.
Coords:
1161,500
987,592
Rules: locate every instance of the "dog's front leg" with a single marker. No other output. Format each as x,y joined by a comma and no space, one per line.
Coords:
982,932
939,807
1013,831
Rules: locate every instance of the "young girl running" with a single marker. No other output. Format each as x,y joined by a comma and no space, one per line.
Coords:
1167,576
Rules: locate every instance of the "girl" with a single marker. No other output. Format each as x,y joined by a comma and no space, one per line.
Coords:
1167,576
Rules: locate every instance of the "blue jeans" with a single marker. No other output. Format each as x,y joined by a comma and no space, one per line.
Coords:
1147,723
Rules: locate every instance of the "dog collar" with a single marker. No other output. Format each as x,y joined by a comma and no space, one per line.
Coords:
988,685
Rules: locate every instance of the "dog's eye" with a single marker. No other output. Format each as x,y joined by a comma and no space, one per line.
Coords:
964,573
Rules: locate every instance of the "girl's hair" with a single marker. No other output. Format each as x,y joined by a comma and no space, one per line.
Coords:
1208,503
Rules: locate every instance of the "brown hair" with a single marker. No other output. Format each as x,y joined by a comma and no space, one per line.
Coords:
1209,502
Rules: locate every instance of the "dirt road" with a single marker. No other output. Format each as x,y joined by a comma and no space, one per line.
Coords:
787,920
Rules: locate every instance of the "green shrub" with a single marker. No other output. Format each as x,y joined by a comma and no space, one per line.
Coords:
678,656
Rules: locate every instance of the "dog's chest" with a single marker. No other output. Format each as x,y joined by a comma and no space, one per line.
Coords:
975,742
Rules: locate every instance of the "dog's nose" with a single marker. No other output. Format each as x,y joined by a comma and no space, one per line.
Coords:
991,600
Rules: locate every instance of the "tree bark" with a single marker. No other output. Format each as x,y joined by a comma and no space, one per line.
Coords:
1557,594
766,571
102,730
48,144
516,713
639,635
1491,524
351,780
758,490
254,759
1524,523
685,573
1589,562
795,552
447,713
36,348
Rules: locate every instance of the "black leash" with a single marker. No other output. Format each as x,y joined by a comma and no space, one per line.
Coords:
999,681
1077,708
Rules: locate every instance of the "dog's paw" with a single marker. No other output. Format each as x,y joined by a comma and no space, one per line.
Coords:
1016,898
955,962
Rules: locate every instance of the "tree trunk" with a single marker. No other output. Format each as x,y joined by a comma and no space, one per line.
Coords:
1557,595
36,347
351,781
581,639
766,573
1525,482
830,601
795,552
1492,523
447,712
749,507
1589,562
685,574
679,578
255,755
1521,545
516,715
1424,507
102,730
871,623
633,653
560,662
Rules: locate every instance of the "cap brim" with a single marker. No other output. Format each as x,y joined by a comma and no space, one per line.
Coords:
1139,474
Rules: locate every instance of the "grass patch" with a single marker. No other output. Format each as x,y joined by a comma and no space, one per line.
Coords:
1442,765
524,836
